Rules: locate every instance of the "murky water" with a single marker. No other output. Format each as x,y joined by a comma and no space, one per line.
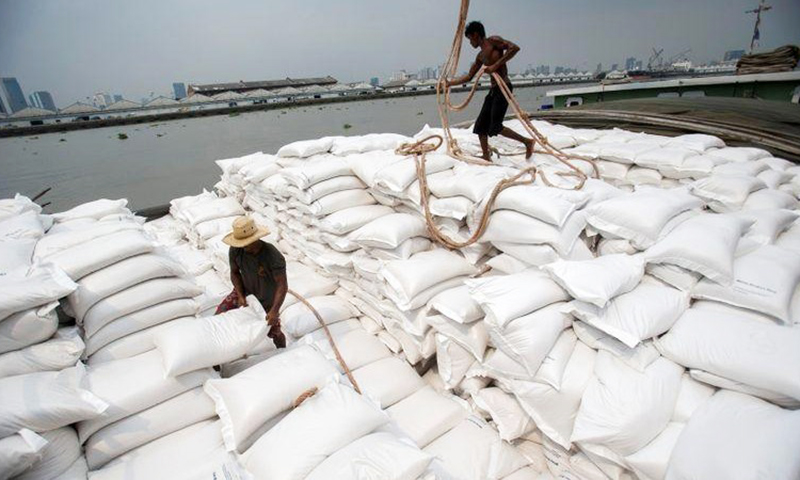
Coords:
162,161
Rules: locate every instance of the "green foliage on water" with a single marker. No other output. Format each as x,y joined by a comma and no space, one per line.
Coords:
419,113
122,136
347,126
62,140
233,114
159,135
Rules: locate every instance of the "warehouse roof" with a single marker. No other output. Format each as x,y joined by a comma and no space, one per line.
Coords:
212,88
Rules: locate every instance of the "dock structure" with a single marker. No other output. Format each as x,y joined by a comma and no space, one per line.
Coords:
782,86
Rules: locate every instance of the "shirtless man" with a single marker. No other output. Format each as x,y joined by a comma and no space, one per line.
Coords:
495,52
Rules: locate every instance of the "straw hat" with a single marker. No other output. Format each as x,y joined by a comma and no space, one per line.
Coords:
245,232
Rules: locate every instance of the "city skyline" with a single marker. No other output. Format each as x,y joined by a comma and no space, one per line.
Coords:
47,54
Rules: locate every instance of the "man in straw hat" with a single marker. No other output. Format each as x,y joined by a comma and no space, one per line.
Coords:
257,268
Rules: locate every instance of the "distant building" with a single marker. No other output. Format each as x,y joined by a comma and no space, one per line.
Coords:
102,100
638,64
599,68
117,98
399,76
15,99
426,73
179,89
630,63
43,100
558,70
733,55
2,107
374,81
212,89
615,67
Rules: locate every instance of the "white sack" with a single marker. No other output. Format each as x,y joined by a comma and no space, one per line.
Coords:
209,341
640,216
18,452
511,296
357,348
453,361
511,420
306,148
548,204
96,209
555,363
722,343
28,225
61,451
119,276
474,451
135,298
726,193
28,327
513,227
377,456
148,317
554,411
55,354
763,281
388,380
346,220
528,339
329,420
16,254
242,402
648,310
599,280
169,416
59,397
652,460
132,385
426,415
298,320
737,437
639,358
423,270
389,231
88,257
705,244
44,284
623,409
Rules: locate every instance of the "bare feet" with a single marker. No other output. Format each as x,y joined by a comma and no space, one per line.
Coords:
528,149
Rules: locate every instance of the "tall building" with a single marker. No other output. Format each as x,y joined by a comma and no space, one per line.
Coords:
117,98
732,55
615,67
15,99
374,81
42,99
638,64
599,68
630,63
179,89
426,73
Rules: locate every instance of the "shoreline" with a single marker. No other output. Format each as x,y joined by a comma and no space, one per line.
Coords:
177,115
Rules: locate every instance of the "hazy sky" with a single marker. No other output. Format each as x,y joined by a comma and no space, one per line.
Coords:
74,48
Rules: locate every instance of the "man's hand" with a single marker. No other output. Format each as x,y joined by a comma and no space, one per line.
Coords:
273,319
491,68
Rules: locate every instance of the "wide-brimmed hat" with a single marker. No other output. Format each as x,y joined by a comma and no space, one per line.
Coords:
245,231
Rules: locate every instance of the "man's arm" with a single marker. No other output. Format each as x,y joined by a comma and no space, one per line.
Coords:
238,284
281,287
509,50
473,70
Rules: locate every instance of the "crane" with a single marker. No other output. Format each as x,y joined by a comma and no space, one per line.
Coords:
655,56
676,57
762,7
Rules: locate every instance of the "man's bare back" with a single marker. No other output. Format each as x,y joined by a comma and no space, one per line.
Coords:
494,53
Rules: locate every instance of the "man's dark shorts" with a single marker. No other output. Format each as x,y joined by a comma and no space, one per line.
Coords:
490,120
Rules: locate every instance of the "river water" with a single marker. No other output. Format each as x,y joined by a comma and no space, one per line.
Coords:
162,161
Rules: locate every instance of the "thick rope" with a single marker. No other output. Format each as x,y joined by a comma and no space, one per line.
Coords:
526,176
444,105
330,340
304,396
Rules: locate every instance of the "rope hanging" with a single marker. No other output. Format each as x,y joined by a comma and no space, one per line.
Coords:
526,176
333,347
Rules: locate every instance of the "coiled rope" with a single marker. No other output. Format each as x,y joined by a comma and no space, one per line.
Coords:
335,349
526,176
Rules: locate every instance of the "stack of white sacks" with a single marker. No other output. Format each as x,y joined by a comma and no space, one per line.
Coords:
583,326
637,328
